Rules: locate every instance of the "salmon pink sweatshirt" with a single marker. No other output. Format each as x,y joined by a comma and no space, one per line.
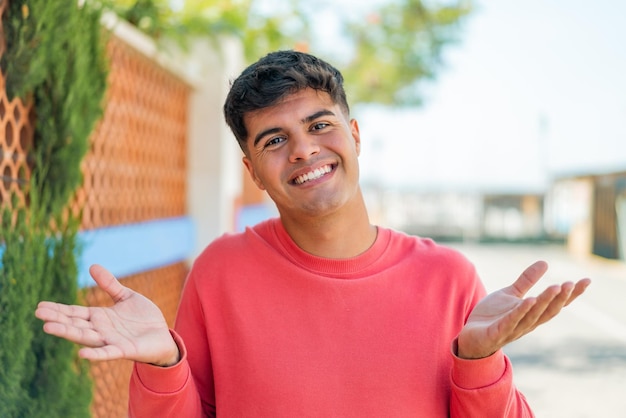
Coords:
268,330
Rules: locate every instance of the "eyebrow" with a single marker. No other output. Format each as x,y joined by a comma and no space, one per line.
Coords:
308,119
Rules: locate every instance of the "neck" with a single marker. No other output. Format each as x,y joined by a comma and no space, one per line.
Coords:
344,234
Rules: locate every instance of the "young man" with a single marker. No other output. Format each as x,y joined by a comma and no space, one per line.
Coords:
317,312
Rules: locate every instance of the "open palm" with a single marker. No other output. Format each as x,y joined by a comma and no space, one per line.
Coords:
133,328
505,315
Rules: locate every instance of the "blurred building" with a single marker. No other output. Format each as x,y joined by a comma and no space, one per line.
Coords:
455,215
589,211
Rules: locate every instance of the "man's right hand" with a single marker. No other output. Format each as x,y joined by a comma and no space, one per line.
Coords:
133,328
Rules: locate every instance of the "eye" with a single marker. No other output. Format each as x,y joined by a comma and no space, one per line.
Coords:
318,126
274,141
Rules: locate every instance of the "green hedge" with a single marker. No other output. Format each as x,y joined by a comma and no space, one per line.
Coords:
54,56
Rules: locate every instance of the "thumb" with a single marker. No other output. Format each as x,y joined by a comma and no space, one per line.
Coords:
528,278
107,282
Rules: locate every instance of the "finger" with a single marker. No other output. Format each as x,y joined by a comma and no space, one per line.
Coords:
83,336
507,325
49,316
52,311
107,282
550,303
107,352
579,289
528,278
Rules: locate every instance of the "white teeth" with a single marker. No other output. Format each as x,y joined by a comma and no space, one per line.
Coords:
315,174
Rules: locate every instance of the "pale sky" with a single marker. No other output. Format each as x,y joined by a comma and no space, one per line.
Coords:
535,89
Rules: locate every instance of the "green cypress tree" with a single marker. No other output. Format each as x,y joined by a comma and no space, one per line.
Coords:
54,54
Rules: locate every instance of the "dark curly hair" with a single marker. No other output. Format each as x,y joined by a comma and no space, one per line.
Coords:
273,77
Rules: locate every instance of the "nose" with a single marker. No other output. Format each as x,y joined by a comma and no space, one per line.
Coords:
302,147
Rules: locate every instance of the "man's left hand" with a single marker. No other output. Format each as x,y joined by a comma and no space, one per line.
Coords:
505,315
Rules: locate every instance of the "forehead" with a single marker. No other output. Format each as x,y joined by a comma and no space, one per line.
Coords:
292,108
302,97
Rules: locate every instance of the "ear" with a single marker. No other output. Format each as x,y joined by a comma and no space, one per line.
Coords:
250,168
356,135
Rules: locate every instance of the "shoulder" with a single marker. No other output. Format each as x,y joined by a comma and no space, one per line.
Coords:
427,258
426,248
441,266
237,247
234,240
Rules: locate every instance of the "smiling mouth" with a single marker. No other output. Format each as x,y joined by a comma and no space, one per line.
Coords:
313,175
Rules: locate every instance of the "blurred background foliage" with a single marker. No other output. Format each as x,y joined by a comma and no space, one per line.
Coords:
54,58
384,48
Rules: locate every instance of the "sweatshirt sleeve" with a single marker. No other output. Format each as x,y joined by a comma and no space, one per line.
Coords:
484,388
164,391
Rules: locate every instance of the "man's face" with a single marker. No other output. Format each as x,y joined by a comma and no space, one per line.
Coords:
304,152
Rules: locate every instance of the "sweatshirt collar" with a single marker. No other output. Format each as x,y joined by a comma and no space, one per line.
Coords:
345,268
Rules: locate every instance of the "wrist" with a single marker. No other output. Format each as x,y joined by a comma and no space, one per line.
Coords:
462,351
171,357
169,361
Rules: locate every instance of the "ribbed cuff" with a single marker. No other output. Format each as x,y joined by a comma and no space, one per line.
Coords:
477,373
